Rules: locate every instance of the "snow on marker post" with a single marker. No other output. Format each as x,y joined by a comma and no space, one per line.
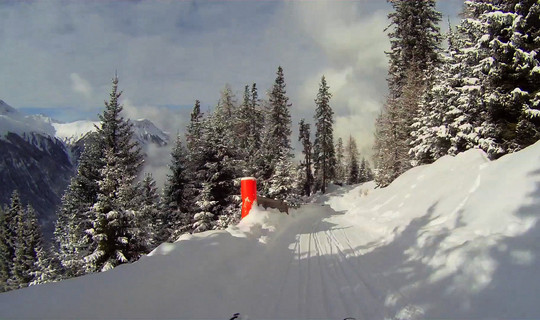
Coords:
248,190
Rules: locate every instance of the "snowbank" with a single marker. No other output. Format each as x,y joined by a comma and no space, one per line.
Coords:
455,239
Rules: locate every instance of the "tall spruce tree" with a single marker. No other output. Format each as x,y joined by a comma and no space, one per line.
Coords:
277,146
340,162
195,158
28,243
366,174
324,155
74,216
5,260
193,131
250,123
115,234
218,168
116,133
10,231
243,124
414,42
149,217
176,215
217,176
307,150
115,231
353,165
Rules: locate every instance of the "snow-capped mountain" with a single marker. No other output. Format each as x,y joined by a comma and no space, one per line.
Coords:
145,131
33,162
72,132
38,157
11,120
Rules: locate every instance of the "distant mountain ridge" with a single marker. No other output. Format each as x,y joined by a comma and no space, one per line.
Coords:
145,131
38,157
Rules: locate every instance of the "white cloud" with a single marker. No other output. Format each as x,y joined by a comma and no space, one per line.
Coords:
354,43
80,85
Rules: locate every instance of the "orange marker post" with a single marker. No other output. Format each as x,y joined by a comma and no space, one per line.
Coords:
248,190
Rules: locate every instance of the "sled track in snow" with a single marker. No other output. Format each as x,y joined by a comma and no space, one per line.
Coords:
326,272
325,267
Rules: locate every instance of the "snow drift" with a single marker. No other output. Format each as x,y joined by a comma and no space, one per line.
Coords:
455,239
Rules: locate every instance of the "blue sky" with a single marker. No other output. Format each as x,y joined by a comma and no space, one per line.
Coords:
58,57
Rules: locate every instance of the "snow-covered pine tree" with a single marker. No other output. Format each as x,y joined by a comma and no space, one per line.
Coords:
116,237
277,148
72,240
527,28
340,162
452,112
243,122
9,239
365,172
250,123
195,158
116,133
47,267
307,150
176,216
193,131
231,161
430,135
282,183
5,260
414,42
115,232
324,154
353,165
218,201
510,35
28,242
257,123
204,219
487,87
149,218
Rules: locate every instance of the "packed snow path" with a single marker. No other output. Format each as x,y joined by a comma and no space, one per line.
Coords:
455,239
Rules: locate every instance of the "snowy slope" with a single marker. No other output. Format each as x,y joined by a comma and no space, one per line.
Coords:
455,239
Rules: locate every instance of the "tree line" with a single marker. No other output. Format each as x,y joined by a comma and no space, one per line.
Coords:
112,213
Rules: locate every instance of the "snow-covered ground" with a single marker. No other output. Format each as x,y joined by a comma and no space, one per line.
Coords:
456,239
